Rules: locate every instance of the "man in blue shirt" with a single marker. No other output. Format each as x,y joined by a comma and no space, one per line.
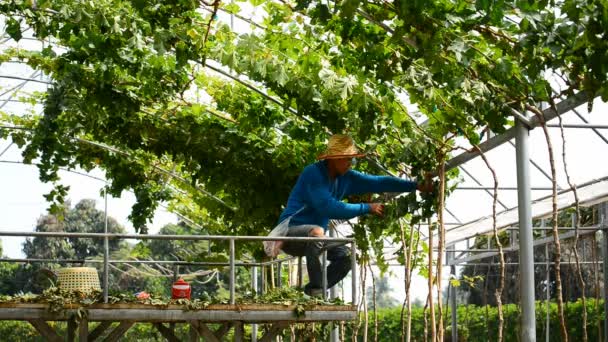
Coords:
317,197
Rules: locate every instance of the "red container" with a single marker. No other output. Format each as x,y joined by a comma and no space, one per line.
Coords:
181,289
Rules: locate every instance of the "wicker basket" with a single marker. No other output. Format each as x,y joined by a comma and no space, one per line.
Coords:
84,279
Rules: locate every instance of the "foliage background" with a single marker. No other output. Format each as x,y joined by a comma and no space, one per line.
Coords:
475,323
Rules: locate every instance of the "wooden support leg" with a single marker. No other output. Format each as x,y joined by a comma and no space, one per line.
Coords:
167,332
194,332
83,330
205,332
71,329
273,332
239,332
99,330
45,330
119,331
221,331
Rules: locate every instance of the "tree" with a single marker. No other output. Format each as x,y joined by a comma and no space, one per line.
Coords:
384,299
83,218
7,274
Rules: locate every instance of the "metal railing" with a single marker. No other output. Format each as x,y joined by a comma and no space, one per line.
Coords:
232,262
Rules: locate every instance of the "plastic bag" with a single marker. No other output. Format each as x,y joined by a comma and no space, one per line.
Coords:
273,248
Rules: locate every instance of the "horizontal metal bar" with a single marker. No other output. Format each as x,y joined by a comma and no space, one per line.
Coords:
538,242
25,79
579,126
562,107
521,117
499,188
166,262
535,263
472,250
559,192
276,261
445,224
558,228
171,237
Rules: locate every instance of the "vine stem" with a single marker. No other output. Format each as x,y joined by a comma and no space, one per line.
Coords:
577,224
501,286
363,272
426,320
406,329
485,300
404,249
364,301
430,284
216,4
371,272
441,243
597,283
556,242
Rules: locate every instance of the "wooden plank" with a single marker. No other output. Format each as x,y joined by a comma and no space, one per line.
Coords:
71,329
224,307
99,330
204,331
166,332
120,330
45,330
154,316
23,305
274,331
83,330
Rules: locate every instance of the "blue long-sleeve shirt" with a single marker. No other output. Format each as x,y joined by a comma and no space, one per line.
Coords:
323,197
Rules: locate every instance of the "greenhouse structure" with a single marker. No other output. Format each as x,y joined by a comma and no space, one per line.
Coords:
210,110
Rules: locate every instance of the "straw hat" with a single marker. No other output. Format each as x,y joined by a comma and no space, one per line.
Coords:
340,146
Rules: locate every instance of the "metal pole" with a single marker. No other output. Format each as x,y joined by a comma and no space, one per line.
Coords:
453,299
262,278
106,248
605,256
254,280
254,289
333,294
324,274
604,217
231,271
547,289
175,277
353,271
279,274
526,255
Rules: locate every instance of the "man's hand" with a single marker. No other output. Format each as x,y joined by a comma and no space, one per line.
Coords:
427,184
376,209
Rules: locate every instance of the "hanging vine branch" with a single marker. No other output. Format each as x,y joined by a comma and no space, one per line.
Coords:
577,223
371,272
408,251
500,289
556,240
430,283
441,243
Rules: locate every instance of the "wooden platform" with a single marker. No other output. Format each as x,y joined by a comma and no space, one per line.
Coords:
230,316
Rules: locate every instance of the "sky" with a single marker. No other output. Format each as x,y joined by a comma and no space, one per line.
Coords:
22,201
